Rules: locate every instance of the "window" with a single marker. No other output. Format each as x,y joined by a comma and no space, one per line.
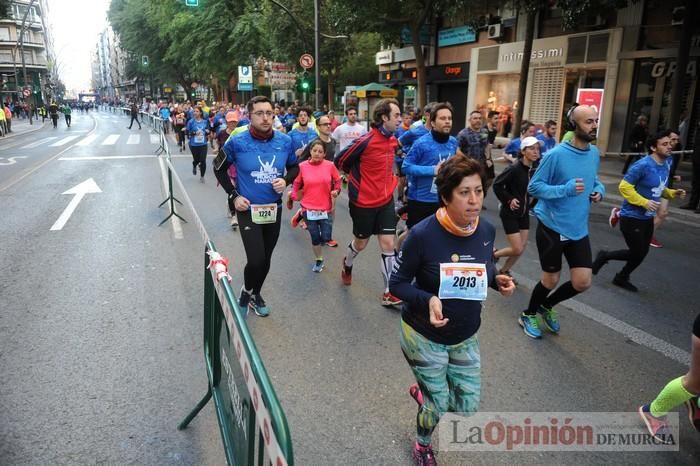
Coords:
5,34
598,47
28,57
27,37
577,50
5,56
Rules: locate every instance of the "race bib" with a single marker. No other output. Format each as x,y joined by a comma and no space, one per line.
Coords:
462,280
263,213
199,137
316,215
433,187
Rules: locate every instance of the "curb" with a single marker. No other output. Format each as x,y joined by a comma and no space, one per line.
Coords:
13,133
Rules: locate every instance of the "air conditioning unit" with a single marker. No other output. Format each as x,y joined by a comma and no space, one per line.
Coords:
495,31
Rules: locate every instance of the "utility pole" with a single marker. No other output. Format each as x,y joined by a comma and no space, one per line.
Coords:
317,70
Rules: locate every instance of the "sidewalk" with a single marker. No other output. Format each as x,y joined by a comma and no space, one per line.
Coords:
20,126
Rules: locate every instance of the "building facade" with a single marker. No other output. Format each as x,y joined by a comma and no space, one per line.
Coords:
27,63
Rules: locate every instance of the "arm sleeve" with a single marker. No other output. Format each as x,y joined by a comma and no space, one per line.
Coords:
405,268
221,174
350,156
631,195
500,185
541,189
669,193
599,187
411,163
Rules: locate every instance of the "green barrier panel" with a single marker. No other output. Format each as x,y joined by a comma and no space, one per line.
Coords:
251,420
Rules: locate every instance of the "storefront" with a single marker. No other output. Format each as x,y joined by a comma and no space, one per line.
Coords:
404,81
448,83
559,68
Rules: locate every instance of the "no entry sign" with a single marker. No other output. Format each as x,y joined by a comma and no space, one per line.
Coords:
306,61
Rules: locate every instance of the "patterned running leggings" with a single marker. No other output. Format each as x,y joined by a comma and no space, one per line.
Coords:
449,377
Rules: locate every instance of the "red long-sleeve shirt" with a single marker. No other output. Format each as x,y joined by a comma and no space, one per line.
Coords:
317,181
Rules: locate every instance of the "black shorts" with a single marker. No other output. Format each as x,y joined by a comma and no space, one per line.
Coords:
513,224
417,211
550,248
373,220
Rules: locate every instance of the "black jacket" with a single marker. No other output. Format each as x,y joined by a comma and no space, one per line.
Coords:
511,184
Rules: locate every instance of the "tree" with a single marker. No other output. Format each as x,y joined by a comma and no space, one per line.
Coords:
5,8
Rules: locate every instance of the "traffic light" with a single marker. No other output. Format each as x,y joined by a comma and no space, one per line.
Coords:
305,82
144,60
191,2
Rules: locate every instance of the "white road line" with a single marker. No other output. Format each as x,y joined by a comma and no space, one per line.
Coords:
633,333
174,221
110,140
38,143
109,157
88,140
134,139
155,139
64,141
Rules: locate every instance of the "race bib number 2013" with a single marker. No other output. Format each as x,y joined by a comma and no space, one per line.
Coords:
462,280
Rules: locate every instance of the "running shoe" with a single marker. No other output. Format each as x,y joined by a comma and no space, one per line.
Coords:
257,305
624,282
296,218
423,455
244,298
614,217
530,325
332,243
657,426
551,319
346,274
599,261
194,170
416,393
655,243
693,412
318,266
234,221
389,299
201,179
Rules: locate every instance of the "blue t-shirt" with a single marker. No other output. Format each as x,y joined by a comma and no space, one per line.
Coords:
165,113
649,180
258,163
547,144
554,185
301,139
411,136
513,147
419,166
198,132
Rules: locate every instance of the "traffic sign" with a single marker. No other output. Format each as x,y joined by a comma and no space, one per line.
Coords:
26,92
306,61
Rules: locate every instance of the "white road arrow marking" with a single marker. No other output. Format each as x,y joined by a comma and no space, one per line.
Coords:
86,187
12,160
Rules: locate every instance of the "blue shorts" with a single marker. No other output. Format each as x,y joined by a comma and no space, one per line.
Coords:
320,230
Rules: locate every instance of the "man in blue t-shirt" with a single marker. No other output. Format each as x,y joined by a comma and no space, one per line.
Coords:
512,150
643,187
547,138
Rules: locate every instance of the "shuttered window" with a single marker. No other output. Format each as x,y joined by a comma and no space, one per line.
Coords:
546,94
488,59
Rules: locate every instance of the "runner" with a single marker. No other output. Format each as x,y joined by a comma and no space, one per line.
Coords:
53,111
684,389
510,187
320,182
643,186
548,137
197,130
512,149
442,274
221,138
260,156
348,131
179,128
369,162
302,134
406,141
474,143
134,115
422,163
65,109
565,184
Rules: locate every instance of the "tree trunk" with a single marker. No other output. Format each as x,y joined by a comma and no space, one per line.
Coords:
331,87
524,70
421,91
682,63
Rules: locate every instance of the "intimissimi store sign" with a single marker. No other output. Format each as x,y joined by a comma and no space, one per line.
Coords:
546,53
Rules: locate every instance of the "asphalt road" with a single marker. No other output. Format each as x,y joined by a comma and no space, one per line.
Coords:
100,329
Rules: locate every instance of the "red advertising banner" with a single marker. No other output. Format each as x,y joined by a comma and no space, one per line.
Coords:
592,98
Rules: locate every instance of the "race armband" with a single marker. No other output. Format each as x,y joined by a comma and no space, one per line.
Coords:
219,160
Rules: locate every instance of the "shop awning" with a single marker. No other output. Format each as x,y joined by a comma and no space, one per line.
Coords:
375,90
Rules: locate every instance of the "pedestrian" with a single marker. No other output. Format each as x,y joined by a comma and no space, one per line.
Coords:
442,274
53,112
474,143
422,164
134,115
694,201
642,187
320,182
565,184
198,130
368,162
8,117
638,137
261,157
510,187
3,124
346,133
66,114
681,390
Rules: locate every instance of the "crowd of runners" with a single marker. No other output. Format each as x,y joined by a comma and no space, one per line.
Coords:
439,267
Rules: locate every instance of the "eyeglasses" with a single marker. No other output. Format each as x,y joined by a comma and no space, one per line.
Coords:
261,114
323,124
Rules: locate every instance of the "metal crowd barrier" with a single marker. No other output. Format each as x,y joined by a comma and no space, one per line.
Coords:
253,426
682,153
